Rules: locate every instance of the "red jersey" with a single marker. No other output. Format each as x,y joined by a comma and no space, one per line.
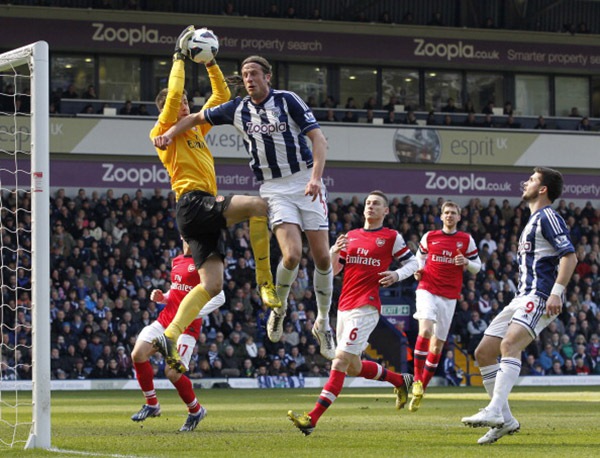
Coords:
368,253
440,275
184,277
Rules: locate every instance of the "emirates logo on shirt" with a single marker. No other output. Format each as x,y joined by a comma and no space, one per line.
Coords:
380,242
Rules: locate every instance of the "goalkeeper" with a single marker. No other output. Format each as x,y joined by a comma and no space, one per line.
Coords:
201,213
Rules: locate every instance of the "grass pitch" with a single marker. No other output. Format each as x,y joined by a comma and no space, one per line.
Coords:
555,422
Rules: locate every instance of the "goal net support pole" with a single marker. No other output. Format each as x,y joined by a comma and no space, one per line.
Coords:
35,56
39,436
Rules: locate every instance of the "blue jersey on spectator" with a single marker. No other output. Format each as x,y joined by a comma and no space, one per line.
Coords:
544,240
273,132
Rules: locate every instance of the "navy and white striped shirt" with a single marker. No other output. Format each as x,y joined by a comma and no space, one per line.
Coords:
544,240
274,132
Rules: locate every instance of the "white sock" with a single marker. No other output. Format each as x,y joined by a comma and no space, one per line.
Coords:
323,282
283,282
507,376
488,373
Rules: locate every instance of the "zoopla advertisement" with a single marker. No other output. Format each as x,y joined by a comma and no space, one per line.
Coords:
100,175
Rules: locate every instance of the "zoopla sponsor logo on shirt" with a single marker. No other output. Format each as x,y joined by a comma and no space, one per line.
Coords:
129,35
451,51
134,175
463,183
265,129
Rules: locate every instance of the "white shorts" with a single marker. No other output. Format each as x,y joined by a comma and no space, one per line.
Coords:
438,309
288,204
354,327
185,343
528,311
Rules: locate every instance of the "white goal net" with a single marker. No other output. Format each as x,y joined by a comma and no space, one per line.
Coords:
24,248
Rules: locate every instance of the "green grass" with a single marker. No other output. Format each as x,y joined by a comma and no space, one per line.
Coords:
556,422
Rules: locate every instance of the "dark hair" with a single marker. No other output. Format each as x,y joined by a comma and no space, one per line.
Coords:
380,194
553,180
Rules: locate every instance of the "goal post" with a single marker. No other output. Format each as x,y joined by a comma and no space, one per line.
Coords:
30,156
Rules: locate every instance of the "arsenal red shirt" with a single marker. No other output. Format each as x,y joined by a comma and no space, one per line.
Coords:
184,277
440,275
368,253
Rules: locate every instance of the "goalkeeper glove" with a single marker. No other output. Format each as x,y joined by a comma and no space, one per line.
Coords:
181,44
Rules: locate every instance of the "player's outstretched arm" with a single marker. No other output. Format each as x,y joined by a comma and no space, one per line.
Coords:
164,140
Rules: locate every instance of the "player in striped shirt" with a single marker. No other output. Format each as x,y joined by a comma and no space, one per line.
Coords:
443,256
201,213
365,254
184,277
546,263
275,125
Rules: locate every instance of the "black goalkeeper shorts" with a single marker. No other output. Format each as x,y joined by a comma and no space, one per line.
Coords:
200,220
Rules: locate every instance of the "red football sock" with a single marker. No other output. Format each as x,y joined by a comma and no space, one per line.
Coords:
145,377
374,371
186,393
431,365
330,392
421,350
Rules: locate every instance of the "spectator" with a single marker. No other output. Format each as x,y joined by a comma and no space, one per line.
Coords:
385,18
390,118
541,123
508,109
569,368
229,10
349,116
273,11
469,107
488,23
90,93
584,124
361,16
475,328
574,113
511,123
290,12
128,109
453,375
315,15
408,18
470,120
391,105
436,19
487,121
581,367
431,119
548,356
450,107
70,92
488,108
370,104
411,119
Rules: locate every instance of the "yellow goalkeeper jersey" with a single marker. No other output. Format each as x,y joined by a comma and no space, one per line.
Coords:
187,159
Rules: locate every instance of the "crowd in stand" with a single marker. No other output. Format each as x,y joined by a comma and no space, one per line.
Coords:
367,13
109,252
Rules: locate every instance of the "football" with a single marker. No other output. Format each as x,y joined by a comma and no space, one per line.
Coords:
203,46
